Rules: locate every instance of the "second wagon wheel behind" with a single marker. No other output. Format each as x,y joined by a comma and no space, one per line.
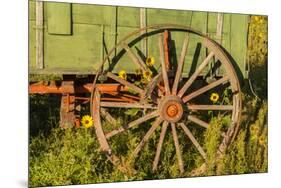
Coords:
185,81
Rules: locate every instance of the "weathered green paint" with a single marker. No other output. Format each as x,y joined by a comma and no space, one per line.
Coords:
90,31
239,24
59,18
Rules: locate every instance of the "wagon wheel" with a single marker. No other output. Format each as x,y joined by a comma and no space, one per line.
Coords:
171,101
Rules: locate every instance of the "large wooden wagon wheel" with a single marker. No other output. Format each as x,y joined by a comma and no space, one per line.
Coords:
171,102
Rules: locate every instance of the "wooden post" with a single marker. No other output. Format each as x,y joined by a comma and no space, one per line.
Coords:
219,35
67,109
143,24
219,27
39,35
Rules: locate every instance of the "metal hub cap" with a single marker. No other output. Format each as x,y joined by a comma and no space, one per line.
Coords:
171,108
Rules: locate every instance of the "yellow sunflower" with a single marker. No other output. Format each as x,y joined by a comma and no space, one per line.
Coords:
150,61
147,74
214,97
87,121
122,74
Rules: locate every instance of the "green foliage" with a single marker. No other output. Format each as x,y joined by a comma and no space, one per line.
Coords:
212,140
68,157
248,153
257,54
132,111
43,77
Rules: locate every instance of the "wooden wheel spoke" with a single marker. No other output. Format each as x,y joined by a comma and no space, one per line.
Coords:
132,124
198,121
149,89
135,57
204,89
180,65
124,82
163,65
193,139
96,118
104,113
209,107
121,96
178,151
195,74
126,105
157,122
159,146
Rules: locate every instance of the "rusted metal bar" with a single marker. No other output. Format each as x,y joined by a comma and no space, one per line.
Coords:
82,98
166,49
164,64
84,88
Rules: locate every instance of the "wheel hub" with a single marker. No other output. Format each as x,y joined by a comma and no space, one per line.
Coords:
171,108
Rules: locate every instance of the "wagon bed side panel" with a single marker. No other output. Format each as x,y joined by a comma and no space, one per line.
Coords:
95,29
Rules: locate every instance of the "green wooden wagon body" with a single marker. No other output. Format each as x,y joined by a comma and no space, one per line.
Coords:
76,37
198,59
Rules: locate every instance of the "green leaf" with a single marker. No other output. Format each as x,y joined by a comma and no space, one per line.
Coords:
132,111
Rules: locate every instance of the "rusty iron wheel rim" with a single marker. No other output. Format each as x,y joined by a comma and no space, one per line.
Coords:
175,109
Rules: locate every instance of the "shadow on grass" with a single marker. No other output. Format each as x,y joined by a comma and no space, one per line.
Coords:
43,113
